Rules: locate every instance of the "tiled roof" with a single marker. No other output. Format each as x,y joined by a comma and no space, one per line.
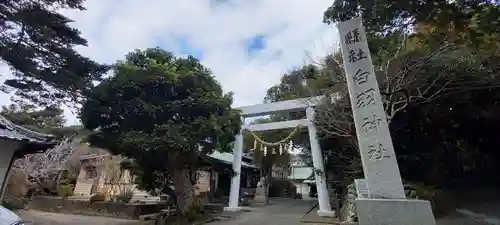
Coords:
92,156
11,131
227,158
223,157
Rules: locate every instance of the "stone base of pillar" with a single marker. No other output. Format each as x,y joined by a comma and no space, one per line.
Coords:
326,213
234,209
259,199
394,211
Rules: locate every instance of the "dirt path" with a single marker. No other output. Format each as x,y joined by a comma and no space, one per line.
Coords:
45,218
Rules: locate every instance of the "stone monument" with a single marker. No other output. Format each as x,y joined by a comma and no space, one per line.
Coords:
386,203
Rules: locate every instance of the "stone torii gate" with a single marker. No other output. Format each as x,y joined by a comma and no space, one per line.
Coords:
284,106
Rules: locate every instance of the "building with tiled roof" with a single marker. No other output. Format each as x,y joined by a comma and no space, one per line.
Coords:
17,141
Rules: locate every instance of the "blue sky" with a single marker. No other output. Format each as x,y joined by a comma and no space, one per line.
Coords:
255,44
185,48
248,44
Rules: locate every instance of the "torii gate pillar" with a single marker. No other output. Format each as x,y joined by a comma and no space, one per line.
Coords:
234,193
319,170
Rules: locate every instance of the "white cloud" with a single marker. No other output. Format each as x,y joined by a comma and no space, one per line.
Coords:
293,29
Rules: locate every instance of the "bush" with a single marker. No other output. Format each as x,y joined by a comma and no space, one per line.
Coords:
7,204
65,190
125,195
194,211
422,191
441,202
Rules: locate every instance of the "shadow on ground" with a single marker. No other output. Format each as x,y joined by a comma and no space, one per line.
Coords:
45,218
476,207
284,211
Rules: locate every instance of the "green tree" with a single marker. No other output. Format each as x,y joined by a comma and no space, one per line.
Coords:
38,46
388,16
162,112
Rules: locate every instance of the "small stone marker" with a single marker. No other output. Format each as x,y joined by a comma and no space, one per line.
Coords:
362,189
377,152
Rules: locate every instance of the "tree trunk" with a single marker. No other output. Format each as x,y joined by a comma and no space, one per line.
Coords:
267,184
211,193
183,189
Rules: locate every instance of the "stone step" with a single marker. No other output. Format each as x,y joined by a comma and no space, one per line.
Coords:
79,197
82,189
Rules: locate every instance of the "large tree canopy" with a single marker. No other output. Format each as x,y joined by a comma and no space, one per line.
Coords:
37,43
387,16
160,111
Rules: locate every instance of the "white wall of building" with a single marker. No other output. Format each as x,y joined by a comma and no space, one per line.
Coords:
7,149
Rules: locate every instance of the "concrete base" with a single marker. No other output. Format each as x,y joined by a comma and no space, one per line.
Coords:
233,209
259,199
394,212
349,223
237,209
326,213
